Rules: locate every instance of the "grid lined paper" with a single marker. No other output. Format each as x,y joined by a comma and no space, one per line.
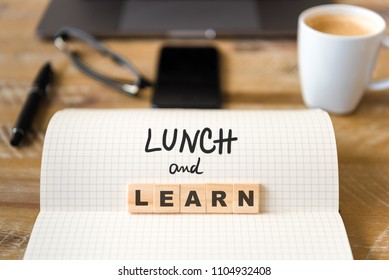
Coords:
90,156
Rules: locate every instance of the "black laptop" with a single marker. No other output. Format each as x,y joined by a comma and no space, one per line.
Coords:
176,18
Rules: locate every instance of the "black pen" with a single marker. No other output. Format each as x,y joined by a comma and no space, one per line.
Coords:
34,98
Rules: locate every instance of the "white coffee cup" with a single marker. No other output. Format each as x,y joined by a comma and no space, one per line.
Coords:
335,70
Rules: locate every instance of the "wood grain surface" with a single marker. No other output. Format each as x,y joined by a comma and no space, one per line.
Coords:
256,74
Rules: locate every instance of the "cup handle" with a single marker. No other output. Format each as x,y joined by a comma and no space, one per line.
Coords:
381,84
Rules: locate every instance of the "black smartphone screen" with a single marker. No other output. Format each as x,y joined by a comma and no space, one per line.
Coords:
188,77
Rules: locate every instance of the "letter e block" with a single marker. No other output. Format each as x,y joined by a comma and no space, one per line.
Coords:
246,198
141,198
166,198
193,198
219,198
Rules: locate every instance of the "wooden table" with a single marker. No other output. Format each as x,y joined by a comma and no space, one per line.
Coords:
256,74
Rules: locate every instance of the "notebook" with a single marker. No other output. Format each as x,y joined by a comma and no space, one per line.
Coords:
91,156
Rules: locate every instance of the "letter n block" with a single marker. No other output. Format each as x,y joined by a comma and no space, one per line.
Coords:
246,198
166,198
219,198
193,198
141,198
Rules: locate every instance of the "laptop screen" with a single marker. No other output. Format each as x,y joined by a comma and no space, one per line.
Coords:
176,18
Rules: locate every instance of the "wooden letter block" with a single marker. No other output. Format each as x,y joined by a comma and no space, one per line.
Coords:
246,198
141,198
219,198
166,198
193,198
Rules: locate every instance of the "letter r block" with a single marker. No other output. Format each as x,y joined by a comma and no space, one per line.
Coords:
141,198
166,198
246,198
219,198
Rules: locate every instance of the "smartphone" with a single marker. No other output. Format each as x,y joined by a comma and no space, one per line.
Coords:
188,77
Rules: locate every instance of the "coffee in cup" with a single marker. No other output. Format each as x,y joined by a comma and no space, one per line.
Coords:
342,24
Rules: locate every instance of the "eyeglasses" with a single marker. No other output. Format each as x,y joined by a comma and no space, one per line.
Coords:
66,39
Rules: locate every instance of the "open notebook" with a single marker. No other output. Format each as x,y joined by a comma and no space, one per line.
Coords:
90,157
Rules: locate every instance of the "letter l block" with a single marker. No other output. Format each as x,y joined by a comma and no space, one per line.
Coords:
145,198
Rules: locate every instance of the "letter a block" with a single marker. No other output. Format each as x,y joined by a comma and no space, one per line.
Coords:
246,198
219,198
193,198
140,198
166,198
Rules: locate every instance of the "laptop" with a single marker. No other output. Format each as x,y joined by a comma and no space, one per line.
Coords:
176,18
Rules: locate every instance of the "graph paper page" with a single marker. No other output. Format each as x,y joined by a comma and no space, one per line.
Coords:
90,157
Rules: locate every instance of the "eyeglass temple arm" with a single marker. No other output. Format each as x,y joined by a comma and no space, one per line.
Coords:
66,33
